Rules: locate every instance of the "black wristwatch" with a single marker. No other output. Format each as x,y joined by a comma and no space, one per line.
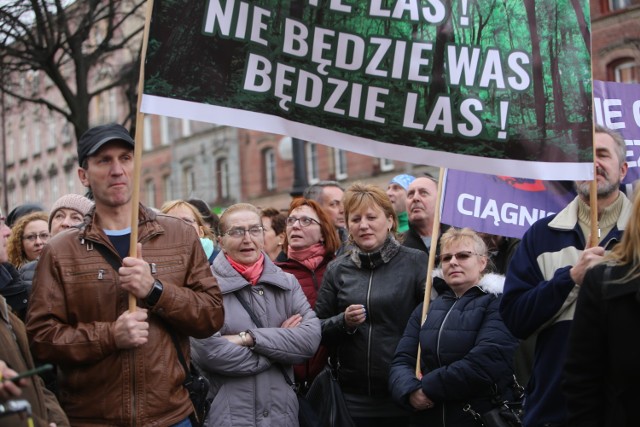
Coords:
154,294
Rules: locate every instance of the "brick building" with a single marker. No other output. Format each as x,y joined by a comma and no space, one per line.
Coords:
615,40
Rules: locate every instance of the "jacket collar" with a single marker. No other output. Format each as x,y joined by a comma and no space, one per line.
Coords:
229,280
567,218
490,283
371,260
147,226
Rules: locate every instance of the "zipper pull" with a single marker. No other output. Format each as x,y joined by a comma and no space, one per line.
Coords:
100,274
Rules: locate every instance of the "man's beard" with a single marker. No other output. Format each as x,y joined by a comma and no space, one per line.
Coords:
604,190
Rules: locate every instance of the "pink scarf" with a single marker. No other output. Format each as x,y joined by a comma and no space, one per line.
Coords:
310,257
250,272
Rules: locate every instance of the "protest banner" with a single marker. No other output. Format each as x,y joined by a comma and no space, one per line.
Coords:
507,206
500,205
617,106
469,85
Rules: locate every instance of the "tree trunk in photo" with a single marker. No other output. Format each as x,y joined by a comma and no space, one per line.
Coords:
582,22
556,78
538,82
438,84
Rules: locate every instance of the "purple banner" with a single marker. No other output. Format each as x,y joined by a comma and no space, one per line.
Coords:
617,106
500,205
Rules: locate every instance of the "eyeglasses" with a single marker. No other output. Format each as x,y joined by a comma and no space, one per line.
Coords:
33,237
305,221
460,256
238,232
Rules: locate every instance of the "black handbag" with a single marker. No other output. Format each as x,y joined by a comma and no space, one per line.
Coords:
505,413
196,385
327,401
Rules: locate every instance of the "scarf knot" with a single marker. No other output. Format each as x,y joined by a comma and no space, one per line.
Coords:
310,257
250,272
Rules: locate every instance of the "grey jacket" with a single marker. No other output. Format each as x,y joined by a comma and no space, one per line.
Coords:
247,385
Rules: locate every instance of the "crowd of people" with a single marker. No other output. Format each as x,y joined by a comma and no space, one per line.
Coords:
262,299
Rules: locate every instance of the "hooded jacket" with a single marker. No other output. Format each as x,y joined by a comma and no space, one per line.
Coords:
248,386
466,355
76,300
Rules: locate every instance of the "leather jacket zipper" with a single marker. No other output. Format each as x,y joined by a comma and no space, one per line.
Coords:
370,333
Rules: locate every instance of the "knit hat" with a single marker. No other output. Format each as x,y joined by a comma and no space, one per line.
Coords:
402,180
71,201
22,210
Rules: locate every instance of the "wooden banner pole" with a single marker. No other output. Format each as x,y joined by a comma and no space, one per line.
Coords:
435,235
137,152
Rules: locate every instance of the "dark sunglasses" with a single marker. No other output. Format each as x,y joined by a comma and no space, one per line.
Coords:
460,256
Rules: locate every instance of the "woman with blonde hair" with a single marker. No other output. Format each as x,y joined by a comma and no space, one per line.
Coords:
601,371
28,236
364,303
190,214
466,362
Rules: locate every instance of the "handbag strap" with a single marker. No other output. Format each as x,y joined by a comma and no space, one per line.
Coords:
258,323
247,307
116,263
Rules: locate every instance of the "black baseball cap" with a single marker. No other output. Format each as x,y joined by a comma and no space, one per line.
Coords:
96,137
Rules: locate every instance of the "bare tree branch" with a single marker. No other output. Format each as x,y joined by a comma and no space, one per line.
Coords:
71,43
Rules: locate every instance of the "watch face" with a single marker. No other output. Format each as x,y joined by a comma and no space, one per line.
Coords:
156,291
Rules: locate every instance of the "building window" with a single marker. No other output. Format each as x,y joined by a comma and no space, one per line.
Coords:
9,145
186,127
13,196
223,178
164,131
37,137
148,139
340,157
69,178
619,4
51,131
66,133
189,180
113,105
313,174
24,138
55,188
150,191
269,161
625,71
25,191
386,165
39,188
166,182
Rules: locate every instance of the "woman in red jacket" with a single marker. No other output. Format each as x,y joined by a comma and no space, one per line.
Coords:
310,244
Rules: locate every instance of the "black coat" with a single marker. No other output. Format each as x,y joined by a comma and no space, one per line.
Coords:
467,356
390,285
602,376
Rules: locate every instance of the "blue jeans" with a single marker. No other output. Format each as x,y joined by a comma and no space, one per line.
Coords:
184,423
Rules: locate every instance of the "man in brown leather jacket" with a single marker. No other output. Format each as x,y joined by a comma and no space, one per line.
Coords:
115,366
